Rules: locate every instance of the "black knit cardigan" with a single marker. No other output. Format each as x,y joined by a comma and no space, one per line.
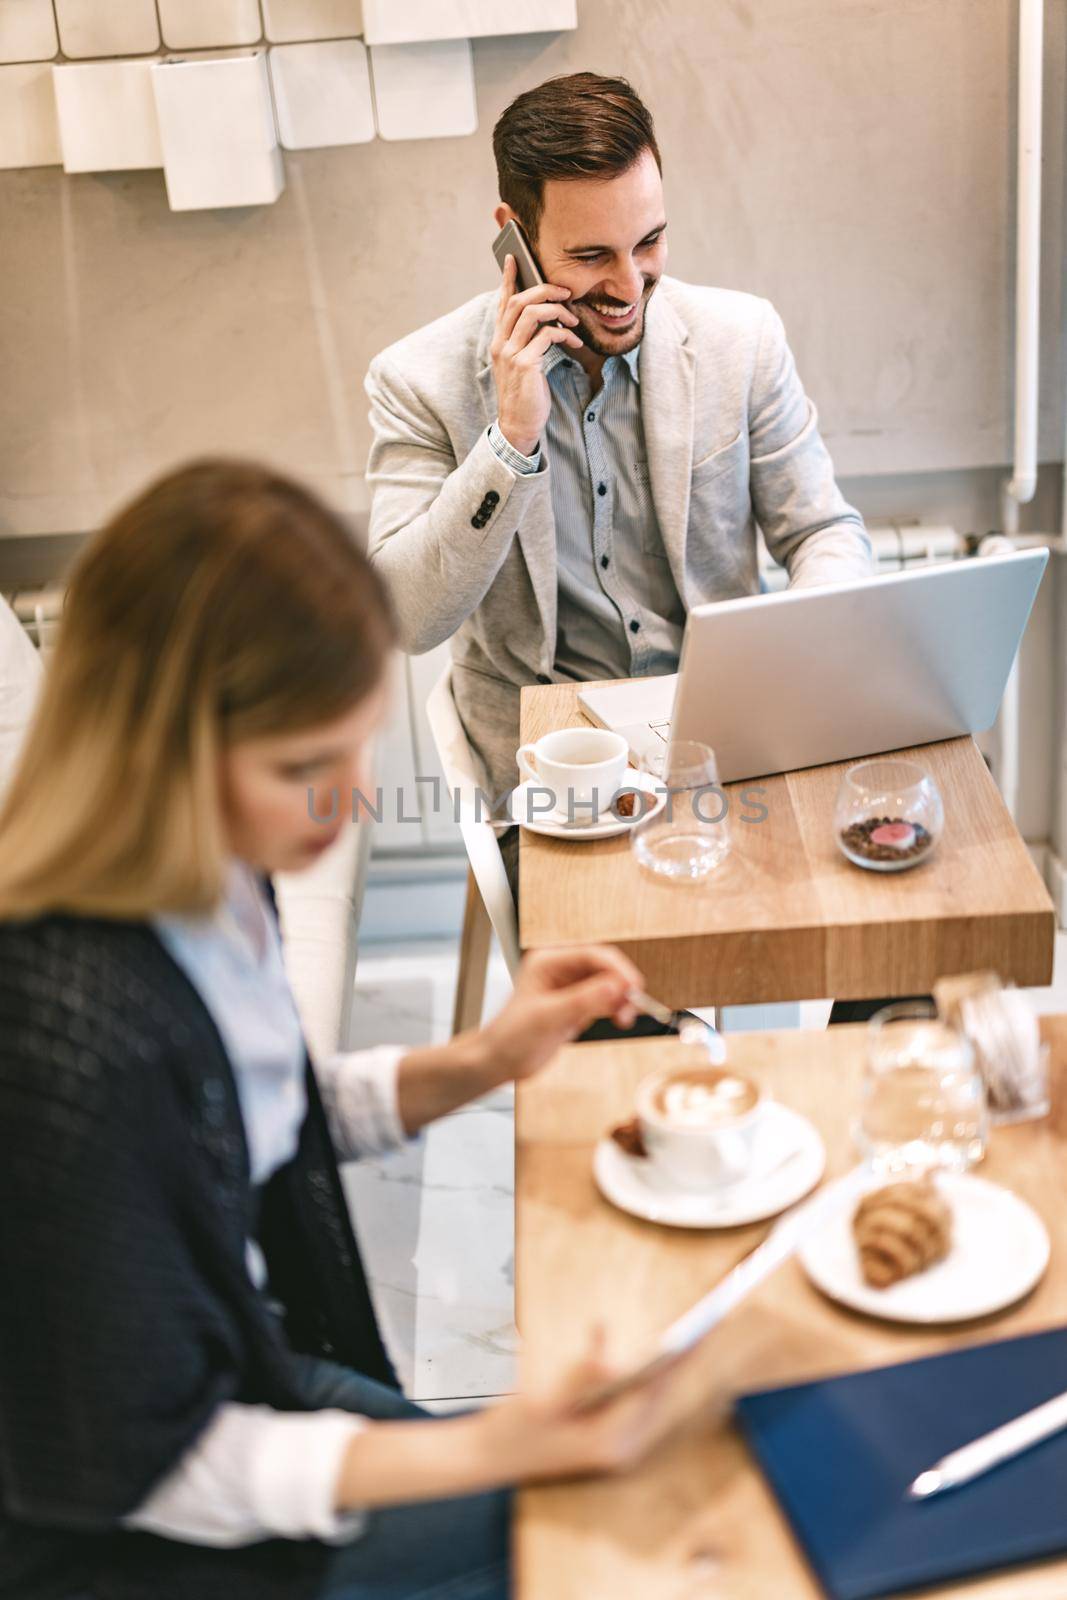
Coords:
126,1311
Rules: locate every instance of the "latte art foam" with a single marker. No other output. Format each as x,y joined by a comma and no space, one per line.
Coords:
703,1099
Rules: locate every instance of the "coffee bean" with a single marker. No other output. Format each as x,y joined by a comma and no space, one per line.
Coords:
857,840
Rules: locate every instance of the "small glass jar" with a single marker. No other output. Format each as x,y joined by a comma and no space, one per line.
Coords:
888,815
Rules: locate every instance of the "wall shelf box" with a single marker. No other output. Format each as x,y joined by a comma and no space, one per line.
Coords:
107,27
322,94
424,91
209,24
300,21
411,21
27,30
29,129
216,126
107,116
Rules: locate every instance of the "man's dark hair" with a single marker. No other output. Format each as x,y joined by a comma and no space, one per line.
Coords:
581,126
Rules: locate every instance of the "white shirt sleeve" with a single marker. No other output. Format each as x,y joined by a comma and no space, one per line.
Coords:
359,1092
253,1474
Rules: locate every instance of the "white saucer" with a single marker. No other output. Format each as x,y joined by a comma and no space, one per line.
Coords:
555,824
1000,1250
633,1184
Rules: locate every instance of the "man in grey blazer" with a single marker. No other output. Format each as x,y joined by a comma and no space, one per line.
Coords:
559,474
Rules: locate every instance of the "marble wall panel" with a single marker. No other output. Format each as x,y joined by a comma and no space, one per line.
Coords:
206,24
107,27
322,94
290,21
29,127
216,126
27,31
408,21
424,91
107,115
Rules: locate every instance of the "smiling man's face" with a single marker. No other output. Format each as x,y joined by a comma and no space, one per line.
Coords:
603,239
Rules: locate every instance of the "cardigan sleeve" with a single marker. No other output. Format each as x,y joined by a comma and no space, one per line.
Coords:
119,1338
253,1474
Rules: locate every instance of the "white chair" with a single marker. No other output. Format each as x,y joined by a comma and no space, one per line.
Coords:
489,906
21,673
320,911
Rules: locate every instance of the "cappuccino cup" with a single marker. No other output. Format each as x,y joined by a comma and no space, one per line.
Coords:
700,1124
582,768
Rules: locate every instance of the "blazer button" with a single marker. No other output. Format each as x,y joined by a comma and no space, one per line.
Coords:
492,498
478,521
542,677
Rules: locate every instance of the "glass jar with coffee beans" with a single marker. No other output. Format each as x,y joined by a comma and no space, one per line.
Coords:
888,815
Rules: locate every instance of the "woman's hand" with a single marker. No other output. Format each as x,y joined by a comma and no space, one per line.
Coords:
527,1439
558,994
541,1438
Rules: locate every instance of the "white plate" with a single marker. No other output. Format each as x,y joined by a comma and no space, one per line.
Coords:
1000,1250
634,1184
557,826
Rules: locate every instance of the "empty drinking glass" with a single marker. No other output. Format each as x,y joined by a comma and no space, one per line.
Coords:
689,836
924,1101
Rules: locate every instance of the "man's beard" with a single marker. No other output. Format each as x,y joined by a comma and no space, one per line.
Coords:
622,343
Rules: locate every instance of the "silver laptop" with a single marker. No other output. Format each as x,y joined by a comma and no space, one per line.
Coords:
780,681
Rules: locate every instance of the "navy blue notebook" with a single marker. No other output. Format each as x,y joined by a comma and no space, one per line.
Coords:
839,1455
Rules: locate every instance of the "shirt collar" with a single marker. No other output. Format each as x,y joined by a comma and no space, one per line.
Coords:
633,360
557,355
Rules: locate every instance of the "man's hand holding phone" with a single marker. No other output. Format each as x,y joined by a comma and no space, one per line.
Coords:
528,323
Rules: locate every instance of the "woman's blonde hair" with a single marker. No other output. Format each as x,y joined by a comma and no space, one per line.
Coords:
224,603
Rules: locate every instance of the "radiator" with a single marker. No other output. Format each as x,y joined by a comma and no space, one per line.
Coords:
895,547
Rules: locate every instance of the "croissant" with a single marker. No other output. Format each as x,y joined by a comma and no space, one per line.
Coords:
901,1229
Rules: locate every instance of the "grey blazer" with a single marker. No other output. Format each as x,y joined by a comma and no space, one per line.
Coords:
468,547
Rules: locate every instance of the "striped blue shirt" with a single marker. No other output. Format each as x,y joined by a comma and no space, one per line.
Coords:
619,611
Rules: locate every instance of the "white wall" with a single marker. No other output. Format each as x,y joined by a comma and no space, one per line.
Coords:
852,159
849,158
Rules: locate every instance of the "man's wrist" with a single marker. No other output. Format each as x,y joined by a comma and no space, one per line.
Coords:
523,444
526,447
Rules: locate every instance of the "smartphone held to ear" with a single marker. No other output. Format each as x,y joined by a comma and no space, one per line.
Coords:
511,241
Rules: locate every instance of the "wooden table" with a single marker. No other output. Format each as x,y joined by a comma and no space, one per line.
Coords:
697,1521
786,917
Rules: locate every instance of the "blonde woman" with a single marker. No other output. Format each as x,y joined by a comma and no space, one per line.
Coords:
194,1397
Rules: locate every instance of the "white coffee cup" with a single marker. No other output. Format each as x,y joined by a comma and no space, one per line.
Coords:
582,768
701,1124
